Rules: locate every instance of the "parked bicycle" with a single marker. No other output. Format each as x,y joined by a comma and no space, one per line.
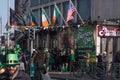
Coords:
114,72
79,68
97,70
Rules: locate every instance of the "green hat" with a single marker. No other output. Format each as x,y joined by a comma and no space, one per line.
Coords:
45,51
1,65
17,46
12,59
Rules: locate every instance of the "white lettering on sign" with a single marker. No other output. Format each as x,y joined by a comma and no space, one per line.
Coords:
86,36
108,32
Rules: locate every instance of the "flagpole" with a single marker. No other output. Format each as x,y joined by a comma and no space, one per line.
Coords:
8,22
77,12
1,25
47,16
60,13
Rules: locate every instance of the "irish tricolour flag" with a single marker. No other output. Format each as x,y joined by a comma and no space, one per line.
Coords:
45,22
56,13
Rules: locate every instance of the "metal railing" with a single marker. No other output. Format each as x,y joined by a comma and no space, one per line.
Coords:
97,70
114,71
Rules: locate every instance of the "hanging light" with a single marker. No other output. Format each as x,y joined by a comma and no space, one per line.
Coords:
63,27
118,23
78,26
105,20
45,28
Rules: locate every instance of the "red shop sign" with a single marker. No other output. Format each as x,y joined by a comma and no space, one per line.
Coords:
108,31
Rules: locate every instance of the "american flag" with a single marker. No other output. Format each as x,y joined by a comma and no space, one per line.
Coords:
71,10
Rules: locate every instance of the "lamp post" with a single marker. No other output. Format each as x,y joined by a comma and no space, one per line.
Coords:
8,22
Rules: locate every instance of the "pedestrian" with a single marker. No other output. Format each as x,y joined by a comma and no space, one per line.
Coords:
104,57
104,61
39,63
117,57
72,59
47,56
63,59
3,72
13,64
99,59
22,66
87,57
72,55
52,61
117,64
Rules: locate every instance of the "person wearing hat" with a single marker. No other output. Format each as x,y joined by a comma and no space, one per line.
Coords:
47,57
13,64
3,72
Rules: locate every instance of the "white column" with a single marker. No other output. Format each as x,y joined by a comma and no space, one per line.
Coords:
97,42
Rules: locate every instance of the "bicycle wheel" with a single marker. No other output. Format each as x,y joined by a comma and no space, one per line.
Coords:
115,73
92,70
99,73
77,71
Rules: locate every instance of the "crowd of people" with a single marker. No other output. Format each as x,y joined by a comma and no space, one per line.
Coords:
15,64
55,59
58,59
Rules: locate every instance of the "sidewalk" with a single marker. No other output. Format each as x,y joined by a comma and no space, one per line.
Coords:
67,76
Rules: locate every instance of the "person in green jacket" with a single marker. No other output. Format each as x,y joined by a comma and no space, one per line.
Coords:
72,55
72,58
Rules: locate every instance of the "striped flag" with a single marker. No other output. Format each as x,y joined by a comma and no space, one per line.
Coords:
31,20
71,10
56,13
30,23
45,22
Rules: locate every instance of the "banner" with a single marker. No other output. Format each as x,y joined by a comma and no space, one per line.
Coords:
108,31
85,41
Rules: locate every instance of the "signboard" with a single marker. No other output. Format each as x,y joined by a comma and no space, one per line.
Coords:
108,31
85,41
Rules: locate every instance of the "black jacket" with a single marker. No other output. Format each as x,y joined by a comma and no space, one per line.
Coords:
21,75
117,57
4,76
99,58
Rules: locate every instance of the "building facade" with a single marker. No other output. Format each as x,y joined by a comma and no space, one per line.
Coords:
88,10
82,6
